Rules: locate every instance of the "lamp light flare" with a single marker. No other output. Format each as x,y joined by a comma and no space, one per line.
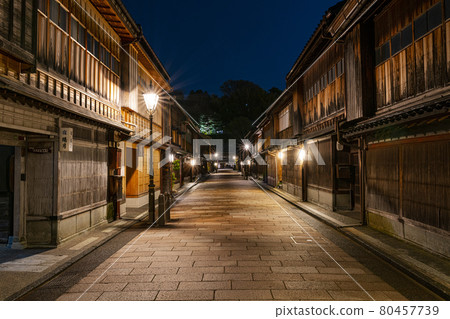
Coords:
151,100
192,162
280,155
247,146
302,154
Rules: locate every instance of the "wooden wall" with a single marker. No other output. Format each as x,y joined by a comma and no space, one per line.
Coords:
320,175
411,180
359,51
83,173
320,101
17,23
419,66
292,172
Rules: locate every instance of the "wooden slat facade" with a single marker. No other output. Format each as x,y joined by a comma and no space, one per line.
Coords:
389,111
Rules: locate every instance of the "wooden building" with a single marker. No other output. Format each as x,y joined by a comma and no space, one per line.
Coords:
73,119
368,103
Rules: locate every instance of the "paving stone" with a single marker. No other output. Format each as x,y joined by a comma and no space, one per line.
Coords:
243,295
272,276
222,277
128,296
311,285
349,295
301,295
204,285
156,286
186,295
257,285
248,270
179,277
154,271
294,270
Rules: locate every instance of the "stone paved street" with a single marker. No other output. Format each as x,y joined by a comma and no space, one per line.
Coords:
230,240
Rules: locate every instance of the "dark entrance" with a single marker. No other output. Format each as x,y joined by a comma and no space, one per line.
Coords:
356,191
6,192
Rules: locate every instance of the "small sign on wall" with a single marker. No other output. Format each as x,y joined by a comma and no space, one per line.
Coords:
66,140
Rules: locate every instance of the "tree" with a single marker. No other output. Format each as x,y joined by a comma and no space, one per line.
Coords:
230,115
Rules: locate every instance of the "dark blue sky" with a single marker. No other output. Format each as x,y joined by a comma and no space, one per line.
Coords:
203,43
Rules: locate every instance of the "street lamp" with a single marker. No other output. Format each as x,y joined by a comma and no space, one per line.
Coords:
302,154
192,169
151,101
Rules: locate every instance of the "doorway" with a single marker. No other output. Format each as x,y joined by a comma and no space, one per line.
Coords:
6,192
356,190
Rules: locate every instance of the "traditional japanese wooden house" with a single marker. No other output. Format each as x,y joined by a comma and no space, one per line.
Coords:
370,108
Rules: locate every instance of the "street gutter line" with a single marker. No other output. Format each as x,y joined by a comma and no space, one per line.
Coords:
134,241
312,238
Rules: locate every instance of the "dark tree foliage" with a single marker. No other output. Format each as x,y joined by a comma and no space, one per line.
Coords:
230,115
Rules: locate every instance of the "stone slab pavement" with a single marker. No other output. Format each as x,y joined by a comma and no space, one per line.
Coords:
231,240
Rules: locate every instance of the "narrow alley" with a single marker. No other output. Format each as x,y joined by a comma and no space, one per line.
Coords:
229,239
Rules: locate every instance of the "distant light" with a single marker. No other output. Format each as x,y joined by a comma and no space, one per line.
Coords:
242,163
192,162
215,164
247,146
216,155
248,162
280,155
234,157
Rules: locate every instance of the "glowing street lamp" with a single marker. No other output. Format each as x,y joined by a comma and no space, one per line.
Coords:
151,101
302,155
192,169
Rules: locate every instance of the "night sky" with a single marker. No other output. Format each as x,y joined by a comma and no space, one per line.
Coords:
203,43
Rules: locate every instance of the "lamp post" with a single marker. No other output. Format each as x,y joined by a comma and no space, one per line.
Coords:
151,101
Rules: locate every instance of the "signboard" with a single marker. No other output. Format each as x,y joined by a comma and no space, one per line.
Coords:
66,140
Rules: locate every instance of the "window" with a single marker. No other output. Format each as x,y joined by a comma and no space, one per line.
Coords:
115,65
54,11
340,68
331,74
406,36
396,43
42,5
323,82
283,119
382,53
58,15
420,26
434,16
89,44
428,21
447,9
63,17
74,29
